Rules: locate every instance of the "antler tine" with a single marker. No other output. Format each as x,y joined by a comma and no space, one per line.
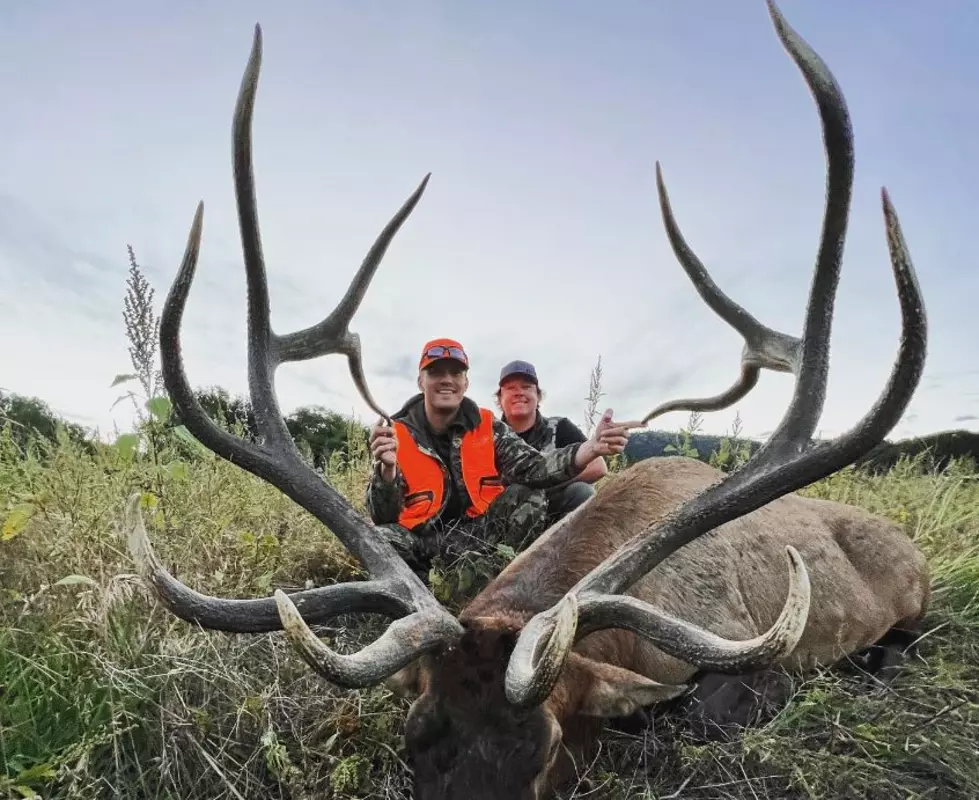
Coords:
395,589
787,462
812,368
764,348
260,615
333,335
747,381
404,641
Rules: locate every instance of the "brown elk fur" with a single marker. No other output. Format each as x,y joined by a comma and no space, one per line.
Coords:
867,578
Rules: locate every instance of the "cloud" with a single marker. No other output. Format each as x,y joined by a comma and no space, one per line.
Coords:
403,366
540,235
34,256
966,418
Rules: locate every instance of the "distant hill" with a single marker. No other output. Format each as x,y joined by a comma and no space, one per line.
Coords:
652,444
938,449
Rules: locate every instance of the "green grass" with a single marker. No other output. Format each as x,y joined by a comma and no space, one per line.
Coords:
104,694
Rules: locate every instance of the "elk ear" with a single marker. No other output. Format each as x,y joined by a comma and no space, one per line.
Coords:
616,692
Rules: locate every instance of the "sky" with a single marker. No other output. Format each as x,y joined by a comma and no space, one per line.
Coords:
539,235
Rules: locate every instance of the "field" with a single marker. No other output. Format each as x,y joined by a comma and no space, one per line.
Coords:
104,694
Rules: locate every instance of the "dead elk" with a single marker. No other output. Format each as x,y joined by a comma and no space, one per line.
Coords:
672,572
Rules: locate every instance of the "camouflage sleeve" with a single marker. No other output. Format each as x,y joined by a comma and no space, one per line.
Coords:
518,462
384,500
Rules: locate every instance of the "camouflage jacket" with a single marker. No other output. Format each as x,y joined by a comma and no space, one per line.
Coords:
550,433
516,461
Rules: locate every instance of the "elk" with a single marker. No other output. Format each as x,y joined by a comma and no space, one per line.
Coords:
674,575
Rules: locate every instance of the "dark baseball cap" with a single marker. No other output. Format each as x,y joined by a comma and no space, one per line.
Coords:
524,368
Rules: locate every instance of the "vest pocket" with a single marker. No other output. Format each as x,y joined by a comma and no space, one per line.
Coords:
490,487
415,498
417,507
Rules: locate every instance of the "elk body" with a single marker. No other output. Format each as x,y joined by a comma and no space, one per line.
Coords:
674,573
867,579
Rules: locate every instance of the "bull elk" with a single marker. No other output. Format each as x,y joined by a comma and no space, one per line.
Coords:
673,575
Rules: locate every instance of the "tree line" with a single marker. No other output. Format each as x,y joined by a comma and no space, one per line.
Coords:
937,450
319,432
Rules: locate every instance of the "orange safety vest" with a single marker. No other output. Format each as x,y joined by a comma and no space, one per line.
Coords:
425,474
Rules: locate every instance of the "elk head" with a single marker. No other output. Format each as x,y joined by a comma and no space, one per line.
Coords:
483,723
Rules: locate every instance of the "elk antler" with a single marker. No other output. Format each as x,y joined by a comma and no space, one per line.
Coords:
788,461
394,589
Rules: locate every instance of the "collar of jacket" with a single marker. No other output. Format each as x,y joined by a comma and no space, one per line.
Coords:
412,414
539,422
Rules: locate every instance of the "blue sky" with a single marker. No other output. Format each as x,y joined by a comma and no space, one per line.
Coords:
539,236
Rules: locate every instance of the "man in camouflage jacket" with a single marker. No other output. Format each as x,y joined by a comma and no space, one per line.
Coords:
519,397
437,419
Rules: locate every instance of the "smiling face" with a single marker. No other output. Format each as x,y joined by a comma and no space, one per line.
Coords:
444,384
519,397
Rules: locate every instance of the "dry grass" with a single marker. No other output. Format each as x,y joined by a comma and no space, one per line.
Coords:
103,694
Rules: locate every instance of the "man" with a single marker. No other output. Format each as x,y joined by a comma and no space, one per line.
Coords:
518,396
449,477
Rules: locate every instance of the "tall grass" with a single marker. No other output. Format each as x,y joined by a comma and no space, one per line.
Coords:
104,694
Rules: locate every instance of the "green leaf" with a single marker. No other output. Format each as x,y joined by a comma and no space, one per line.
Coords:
16,520
72,580
123,378
178,470
187,437
264,583
126,444
33,774
150,503
159,407
466,578
506,551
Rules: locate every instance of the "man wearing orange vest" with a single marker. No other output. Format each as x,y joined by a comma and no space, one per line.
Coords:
448,477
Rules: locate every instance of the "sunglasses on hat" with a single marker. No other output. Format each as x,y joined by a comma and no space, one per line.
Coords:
446,351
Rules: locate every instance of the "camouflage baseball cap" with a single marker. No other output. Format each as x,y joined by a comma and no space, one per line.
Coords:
524,368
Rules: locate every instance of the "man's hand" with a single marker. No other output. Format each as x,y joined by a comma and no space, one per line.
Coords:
609,438
384,447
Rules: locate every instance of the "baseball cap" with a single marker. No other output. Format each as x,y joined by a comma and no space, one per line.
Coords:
438,349
524,368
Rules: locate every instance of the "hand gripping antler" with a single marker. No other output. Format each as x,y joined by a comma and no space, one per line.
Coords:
788,461
394,589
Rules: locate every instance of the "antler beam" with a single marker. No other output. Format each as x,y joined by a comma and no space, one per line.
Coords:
395,590
787,462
